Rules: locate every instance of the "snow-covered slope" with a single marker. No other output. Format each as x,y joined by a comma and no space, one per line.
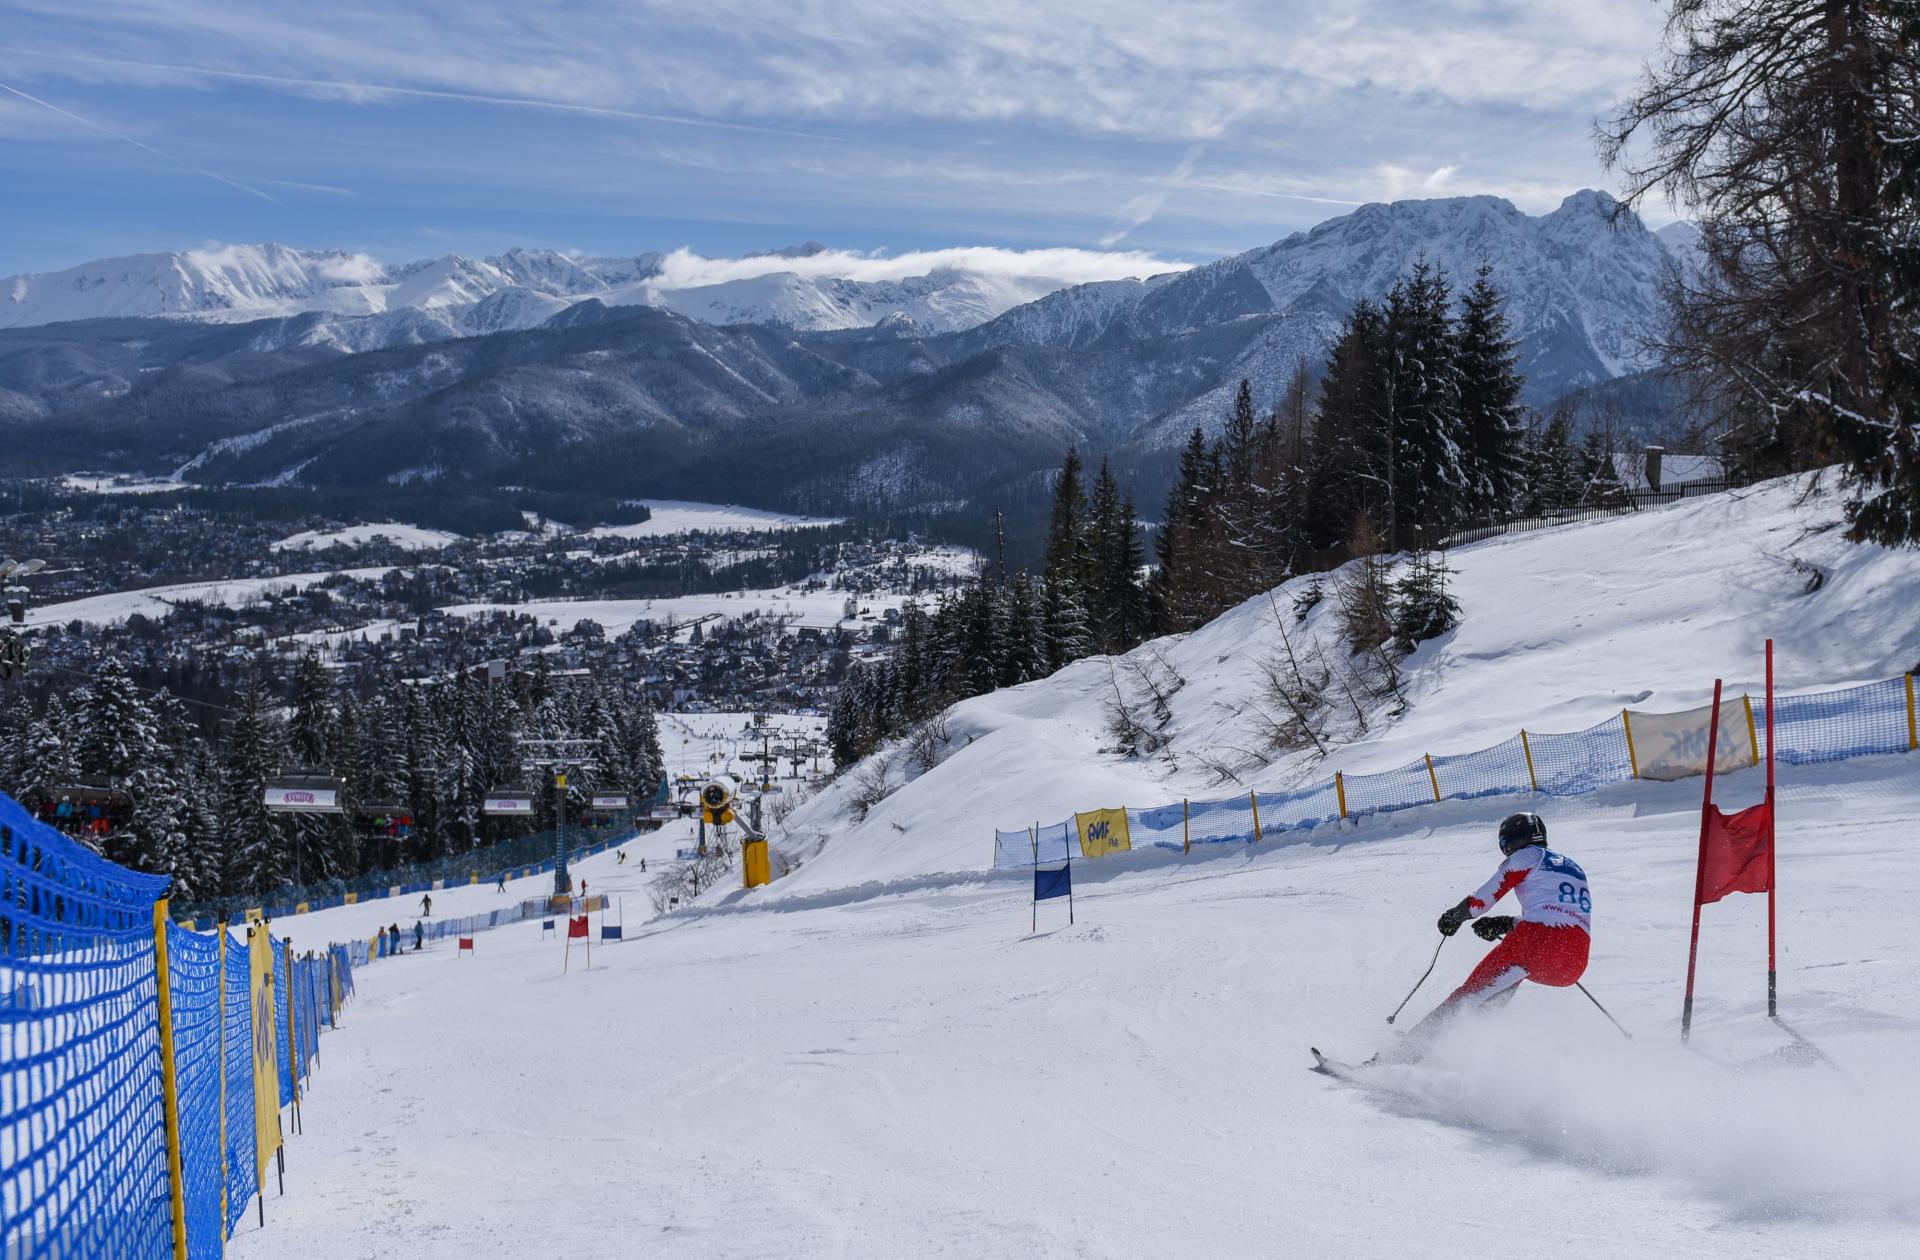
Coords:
1560,629
877,1056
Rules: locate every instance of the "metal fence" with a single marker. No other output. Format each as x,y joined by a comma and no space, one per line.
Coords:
1824,726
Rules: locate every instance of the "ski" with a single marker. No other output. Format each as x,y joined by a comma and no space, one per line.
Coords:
1333,1067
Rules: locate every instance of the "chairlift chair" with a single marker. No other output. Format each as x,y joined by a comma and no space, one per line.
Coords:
77,808
305,791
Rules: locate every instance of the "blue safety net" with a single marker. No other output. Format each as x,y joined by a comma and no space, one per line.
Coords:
282,1009
193,971
240,1159
83,1155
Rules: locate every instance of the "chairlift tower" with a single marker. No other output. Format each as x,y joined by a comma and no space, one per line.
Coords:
558,758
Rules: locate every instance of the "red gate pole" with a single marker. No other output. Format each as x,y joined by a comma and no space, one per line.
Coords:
1700,865
1773,988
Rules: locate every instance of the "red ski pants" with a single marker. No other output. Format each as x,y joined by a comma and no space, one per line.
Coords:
1555,956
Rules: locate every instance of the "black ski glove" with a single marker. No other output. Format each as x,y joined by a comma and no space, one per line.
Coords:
1493,927
1450,921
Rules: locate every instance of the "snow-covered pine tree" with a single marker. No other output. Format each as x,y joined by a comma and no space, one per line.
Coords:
1430,478
1554,474
1423,608
117,744
1187,541
262,856
1066,552
1490,411
1349,446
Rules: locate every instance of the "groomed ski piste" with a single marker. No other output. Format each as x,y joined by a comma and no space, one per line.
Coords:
875,1056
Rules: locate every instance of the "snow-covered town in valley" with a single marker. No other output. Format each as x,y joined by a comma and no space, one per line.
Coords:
1283,634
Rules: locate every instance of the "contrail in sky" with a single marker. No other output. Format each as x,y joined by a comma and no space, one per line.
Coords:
138,144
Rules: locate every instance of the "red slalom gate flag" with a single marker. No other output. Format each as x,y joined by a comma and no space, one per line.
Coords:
577,927
1736,852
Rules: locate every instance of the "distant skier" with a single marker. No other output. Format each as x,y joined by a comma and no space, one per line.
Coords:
501,885
1546,943
643,866
419,936
426,905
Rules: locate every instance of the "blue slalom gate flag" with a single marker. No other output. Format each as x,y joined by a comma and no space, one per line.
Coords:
1048,884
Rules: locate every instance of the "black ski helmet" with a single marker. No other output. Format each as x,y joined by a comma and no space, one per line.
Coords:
1521,830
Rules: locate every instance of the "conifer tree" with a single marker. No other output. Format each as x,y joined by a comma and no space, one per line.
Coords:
1490,410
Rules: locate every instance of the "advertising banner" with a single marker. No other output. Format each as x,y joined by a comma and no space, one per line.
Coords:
266,1071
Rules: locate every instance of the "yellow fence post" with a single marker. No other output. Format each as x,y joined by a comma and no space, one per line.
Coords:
1340,791
1433,778
1526,746
1255,798
169,1081
1626,724
1913,731
1753,738
1186,828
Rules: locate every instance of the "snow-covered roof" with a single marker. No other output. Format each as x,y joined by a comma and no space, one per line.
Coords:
1675,470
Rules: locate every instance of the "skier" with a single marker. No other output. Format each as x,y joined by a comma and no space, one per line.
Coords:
501,885
426,905
1546,942
419,936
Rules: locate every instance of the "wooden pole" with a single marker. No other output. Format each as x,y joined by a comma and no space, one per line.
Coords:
1526,746
1432,778
1700,864
169,1081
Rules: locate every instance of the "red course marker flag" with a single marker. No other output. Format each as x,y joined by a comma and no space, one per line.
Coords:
1736,852
577,926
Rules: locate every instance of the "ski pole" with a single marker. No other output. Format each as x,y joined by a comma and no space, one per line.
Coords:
1416,984
1603,1010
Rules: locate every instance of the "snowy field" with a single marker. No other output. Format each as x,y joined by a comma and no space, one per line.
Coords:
407,537
674,516
122,484
158,601
822,610
911,1072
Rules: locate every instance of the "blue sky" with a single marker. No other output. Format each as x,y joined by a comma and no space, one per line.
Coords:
410,128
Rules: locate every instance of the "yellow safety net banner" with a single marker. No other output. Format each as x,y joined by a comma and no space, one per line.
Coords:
1674,745
1103,831
266,1071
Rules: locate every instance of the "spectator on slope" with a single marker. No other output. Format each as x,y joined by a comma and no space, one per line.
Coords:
419,936
501,885
1546,943
393,938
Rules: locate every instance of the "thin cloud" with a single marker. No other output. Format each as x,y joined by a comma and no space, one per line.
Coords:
138,144
366,91
683,269
1142,208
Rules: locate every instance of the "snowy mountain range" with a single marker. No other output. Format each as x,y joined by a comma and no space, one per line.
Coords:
814,393
367,304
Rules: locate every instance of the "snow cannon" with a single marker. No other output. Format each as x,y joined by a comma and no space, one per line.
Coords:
716,800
